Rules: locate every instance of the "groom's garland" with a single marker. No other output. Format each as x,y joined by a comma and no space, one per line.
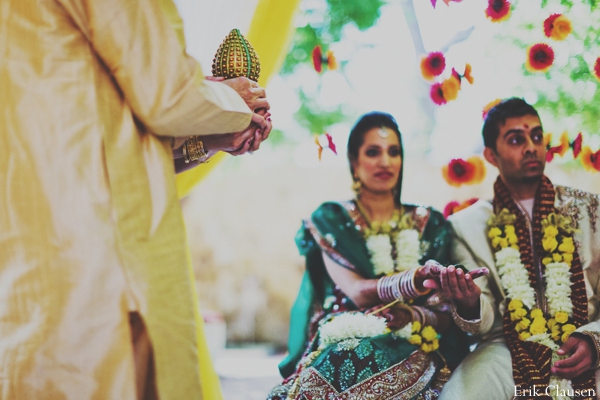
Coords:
528,320
531,336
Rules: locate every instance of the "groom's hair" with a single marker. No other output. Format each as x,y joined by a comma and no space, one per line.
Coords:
512,107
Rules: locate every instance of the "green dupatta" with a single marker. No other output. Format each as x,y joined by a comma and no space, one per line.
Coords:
331,229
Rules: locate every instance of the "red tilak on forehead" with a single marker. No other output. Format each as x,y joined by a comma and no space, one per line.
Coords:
526,126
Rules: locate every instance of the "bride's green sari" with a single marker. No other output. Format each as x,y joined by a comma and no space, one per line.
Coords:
380,366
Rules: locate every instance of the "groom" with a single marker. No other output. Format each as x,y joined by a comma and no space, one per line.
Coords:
536,313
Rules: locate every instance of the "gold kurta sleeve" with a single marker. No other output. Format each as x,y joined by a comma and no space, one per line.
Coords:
470,248
164,87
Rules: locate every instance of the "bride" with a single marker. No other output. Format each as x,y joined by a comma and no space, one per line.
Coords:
363,325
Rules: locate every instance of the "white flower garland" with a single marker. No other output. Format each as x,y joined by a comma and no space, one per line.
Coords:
408,248
558,288
380,249
559,386
515,282
514,277
405,332
351,325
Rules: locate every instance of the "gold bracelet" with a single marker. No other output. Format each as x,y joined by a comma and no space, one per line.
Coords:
193,150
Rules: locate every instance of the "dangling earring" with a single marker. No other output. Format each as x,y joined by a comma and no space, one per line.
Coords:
356,185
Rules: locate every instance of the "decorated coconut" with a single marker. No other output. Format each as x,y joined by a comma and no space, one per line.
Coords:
236,57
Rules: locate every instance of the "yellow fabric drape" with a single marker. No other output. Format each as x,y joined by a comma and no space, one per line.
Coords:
270,33
210,384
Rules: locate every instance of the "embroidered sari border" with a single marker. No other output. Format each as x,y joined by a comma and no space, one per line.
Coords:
399,382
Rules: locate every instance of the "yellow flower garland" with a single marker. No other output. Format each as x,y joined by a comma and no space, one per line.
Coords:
427,337
534,323
559,247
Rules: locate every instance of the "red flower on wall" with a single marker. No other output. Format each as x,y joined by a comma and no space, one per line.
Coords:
330,143
590,160
489,106
319,60
464,172
432,65
540,57
455,206
437,95
467,74
597,68
561,149
443,92
433,2
576,145
317,57
557,27
498,10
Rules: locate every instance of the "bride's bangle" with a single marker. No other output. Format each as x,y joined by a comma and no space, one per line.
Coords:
425,316
388,288
407,285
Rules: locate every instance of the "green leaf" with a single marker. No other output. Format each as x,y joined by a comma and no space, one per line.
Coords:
364,14
305,40
276,137
314,118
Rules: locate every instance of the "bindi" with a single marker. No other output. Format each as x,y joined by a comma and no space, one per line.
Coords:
526,126
383,133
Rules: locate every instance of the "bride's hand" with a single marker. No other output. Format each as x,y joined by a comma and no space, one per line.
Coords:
397,316
430,274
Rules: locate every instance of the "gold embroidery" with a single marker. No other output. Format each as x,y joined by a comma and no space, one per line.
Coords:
571,200
400,382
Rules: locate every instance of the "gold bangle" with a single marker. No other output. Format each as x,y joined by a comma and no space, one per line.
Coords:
193,150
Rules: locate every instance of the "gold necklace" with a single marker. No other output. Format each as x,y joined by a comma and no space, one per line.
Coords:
377,227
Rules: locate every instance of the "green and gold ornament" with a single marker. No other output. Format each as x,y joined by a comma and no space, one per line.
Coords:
236,57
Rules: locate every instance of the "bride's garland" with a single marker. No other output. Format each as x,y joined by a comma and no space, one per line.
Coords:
346,329
395,245
529,321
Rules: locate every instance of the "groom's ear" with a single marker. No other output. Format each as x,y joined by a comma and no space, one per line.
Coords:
490,155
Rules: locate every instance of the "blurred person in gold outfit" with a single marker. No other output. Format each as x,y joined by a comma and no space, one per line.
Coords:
96,300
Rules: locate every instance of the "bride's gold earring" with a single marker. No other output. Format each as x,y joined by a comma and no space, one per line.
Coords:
356,186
